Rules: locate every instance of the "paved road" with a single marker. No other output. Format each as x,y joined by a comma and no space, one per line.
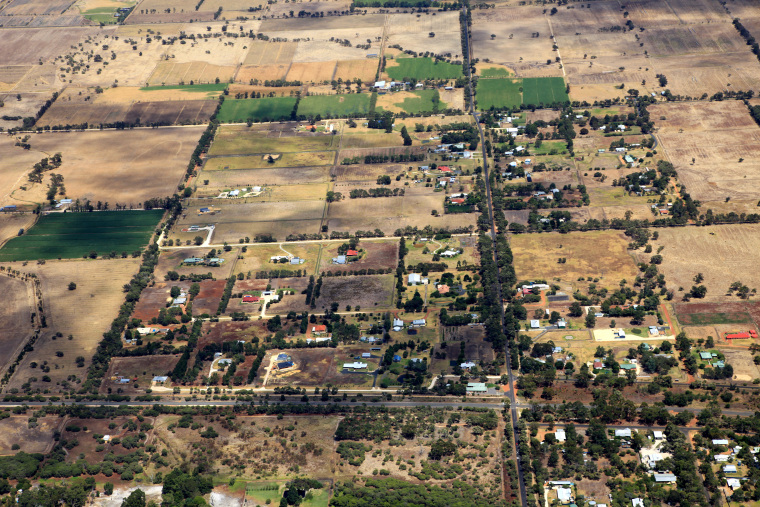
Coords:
510,374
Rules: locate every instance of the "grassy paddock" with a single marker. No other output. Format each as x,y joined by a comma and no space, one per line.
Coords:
73,235
544,90
334,105
423,68
498,93
265,109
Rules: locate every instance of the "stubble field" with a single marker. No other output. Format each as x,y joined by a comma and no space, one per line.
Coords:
125,167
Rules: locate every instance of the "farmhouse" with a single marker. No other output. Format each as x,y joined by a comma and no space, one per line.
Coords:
560,435
467,365
352,253
160,379
418,323
341,259
719,441
564,495
354,366
450,253
319,330
729,469
250,299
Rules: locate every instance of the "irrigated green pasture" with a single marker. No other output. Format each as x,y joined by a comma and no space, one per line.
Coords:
498,93
544,90
334,105
265,109
423,68
73,235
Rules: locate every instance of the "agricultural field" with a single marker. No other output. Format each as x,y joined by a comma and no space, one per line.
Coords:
535,257
391,213
241,140
334,105
720,253
421,101
12,223
420,69
373,255
76,318
264,109
118,167
366,291
74,235
697,137
499,93
15,317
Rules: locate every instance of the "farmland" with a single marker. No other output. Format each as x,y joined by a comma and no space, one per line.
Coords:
334,105
499,93
108,166
265,109
536,257
421,69
718,252
73,235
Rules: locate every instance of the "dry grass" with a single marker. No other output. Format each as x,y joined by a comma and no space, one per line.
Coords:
312,72
33,438
352,69
198,72
15,317
713,134
391,213
112,166
270,53
11,223
535,257
263,177
261,72
720,253
85,313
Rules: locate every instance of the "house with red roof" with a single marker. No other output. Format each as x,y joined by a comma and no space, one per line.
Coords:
251,299
444,168
319,330
457,200
352,253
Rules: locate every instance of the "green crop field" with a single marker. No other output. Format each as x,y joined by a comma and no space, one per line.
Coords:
544,90
498,93
424,102
334,105
423,68
265,109
73,235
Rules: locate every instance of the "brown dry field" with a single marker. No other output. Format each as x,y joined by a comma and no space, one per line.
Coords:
321,49
317,24
36,7
258,258
348,176
163,18
12,74
15,317
17,162
175,112
721,253
264,177
261,72
715,135
744,367
279,229
279,91
32,438
692,43
312,72
523,53
154,298
29,104
10,223
323,8
391,213
86,313
112,166
367,291
270,53
185,72
352,69
411,32
28,46
535,257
